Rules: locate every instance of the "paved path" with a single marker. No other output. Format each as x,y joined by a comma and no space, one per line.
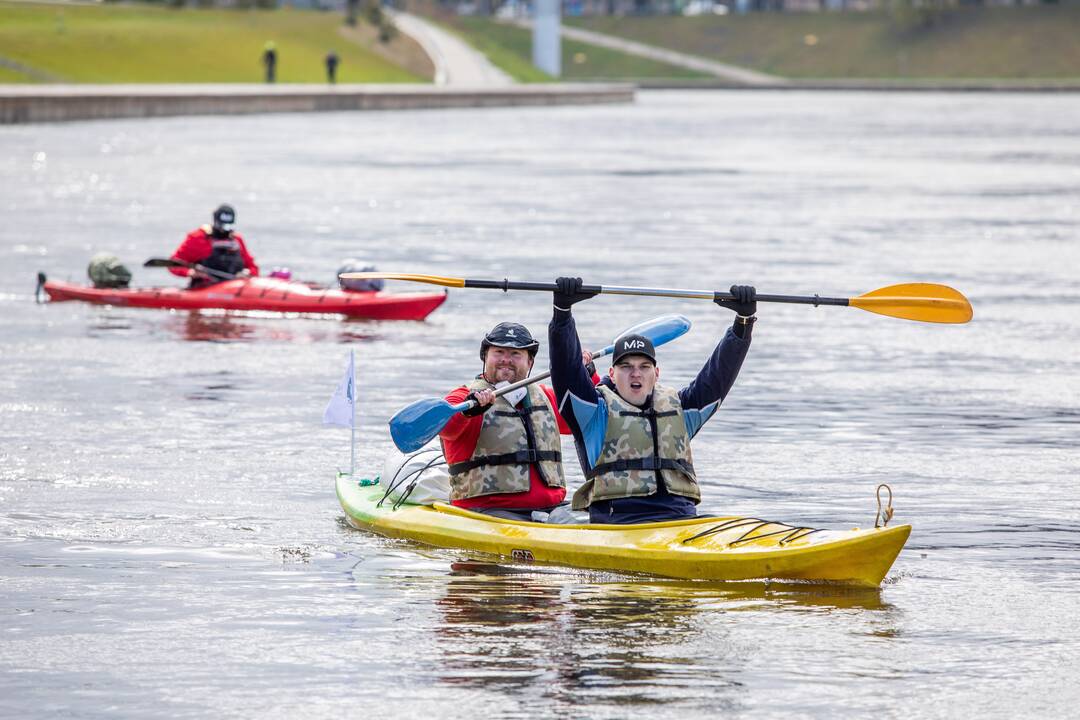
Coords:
32,73
456,62
692,62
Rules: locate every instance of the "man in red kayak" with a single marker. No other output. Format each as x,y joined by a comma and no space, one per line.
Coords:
505,454
215,247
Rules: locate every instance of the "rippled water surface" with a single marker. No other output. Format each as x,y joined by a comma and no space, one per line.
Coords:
170,542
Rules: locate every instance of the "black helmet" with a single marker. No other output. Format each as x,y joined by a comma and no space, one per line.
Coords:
224,217
509,335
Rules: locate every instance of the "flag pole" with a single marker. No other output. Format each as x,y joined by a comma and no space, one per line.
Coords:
352,448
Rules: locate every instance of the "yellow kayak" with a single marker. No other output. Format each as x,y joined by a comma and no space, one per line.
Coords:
712,548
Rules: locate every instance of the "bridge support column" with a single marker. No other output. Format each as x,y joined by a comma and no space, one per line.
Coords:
547,48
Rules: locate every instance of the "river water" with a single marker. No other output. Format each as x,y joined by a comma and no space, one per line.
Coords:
170,542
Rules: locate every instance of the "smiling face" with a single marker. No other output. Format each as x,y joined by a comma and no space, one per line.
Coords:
635,377
509,364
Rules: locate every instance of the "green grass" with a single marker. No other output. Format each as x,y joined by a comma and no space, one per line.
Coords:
965,42
145,44
7,75
510,48
503,52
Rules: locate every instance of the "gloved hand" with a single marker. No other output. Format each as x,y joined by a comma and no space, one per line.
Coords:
745,302
480,407
569,292
590,366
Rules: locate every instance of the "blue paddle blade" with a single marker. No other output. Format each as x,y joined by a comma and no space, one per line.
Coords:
662,329
413,426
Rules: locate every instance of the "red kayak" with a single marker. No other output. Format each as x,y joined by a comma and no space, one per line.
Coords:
259,293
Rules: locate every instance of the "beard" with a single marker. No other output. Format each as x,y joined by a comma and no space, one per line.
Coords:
506,373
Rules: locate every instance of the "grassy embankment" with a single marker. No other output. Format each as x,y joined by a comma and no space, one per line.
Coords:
151,44
962,43
510,48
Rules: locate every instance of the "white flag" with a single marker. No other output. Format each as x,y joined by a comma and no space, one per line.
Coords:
341,408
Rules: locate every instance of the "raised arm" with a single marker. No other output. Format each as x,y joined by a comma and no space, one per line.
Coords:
703,395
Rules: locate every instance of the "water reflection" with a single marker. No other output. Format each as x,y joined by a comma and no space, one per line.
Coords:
229,327
736,594
197,327
216,326
213,386
529,635
108,323
610,642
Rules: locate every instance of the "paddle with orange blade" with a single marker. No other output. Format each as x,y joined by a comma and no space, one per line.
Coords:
923,302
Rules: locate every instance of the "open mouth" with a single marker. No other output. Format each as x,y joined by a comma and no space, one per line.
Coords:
635,386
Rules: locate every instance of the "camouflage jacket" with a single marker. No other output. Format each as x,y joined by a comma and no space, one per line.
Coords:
511,438
585,407
630,459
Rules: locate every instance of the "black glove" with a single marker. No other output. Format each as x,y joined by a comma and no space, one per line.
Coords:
744,303
476,409
569,292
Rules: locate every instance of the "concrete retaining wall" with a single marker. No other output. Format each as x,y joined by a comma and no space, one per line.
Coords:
875,85
55,103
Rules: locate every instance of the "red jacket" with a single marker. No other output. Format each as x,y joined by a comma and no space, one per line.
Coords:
459,438
196,248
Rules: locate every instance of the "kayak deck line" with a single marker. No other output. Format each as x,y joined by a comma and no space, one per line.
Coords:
792,531
702,548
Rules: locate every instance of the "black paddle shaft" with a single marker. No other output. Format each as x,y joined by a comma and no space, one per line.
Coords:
507,285
171,262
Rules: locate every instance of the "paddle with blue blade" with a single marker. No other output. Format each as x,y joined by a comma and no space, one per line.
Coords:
413,426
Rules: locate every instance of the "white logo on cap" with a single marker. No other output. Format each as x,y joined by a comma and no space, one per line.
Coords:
510,333
633,344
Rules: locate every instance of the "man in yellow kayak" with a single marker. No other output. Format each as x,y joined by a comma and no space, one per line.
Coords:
633,435
505,454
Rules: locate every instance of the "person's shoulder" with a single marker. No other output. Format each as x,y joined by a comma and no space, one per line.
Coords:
457,394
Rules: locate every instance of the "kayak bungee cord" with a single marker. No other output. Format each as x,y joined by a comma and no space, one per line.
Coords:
400,479
881,520
792,531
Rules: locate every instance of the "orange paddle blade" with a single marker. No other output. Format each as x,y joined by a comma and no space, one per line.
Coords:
429,279
925,302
